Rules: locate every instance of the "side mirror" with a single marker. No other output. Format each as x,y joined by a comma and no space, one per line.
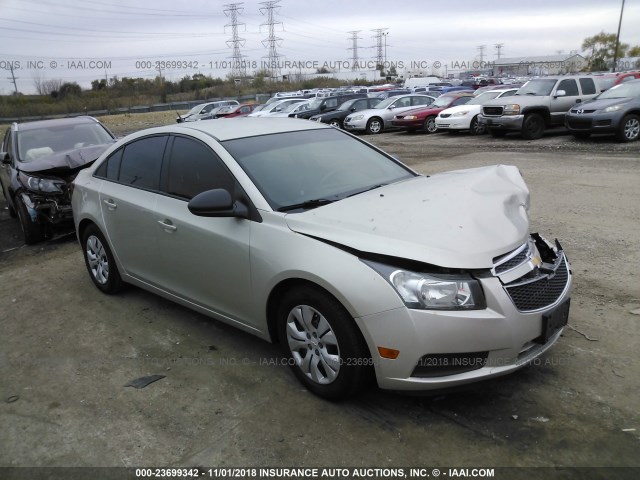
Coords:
217,203
561,93
353,109
5,157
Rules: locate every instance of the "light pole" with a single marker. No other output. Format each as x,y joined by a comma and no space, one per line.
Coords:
385,34
615,53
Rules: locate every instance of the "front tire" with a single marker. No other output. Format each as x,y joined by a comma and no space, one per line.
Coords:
476,128
533,126
375,125
99,260
32,231
430,125
326,351
629,129
335,123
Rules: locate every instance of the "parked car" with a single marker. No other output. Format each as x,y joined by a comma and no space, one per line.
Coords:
497,87
615,111
336,117
301,234
460,88
291,109
391,93
39,161
276,107
237,111
377,119
321,105
465,117
539,104
203,110
424,118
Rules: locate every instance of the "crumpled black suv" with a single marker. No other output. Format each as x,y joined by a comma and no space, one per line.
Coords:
39,160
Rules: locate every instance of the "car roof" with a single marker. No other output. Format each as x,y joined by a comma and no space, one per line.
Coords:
242,127
57,122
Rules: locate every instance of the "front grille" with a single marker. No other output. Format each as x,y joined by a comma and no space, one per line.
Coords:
579,123
541,291
445,115
513,259
581,111
492,111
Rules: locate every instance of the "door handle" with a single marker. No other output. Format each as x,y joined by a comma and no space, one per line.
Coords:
110,204
168,227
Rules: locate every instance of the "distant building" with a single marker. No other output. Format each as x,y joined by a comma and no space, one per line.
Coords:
543,65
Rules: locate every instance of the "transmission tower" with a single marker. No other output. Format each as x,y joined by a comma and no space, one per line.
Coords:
354,46
499,47
238,68
481,48
271,42
379,36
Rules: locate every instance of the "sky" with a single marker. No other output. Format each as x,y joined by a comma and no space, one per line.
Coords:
83,40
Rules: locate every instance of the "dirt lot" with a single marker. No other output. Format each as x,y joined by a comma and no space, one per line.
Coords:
67,350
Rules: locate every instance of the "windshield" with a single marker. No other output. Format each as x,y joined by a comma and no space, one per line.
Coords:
41,142
324,164
483,97
347,105
194,110
441,102
293,106
387,102
622,91
315,103
538,86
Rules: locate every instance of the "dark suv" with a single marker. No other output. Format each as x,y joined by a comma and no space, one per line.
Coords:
336,117
326,104
39,162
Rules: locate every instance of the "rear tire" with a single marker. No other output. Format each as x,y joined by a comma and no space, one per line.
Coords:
99,260
629,129
32,231
532,126
325,348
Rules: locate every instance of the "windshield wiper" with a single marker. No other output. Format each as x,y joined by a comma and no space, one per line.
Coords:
306,205
367,189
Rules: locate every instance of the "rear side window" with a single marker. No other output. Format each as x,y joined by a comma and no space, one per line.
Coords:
569,86
142,161
588,86
194,168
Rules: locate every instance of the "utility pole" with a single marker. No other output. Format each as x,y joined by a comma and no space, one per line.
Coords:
499,47
379,33
354,46
615,54
385,35
238,68
13,77
481,48
271,42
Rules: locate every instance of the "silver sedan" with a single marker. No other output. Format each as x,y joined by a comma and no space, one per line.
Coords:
306,236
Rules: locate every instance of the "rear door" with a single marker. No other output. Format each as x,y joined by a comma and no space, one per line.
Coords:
128,199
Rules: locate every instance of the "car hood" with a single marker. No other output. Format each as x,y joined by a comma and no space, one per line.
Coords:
461,219
461,108
522,100
67,160
606,102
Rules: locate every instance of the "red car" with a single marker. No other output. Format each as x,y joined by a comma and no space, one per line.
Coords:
241,110
424,118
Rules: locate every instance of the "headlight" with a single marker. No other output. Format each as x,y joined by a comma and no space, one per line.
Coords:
612,108
40,184
357,117
460,114
410,117
511,109
432,291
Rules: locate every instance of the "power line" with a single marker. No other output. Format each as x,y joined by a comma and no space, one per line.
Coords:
238,67
354,47
271,42
379,45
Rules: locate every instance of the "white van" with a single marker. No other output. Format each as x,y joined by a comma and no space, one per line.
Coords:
420,81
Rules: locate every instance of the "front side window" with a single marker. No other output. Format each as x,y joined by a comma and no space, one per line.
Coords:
569,86
194,168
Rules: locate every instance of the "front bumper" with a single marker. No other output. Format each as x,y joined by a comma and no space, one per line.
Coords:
454,123
443,349
504,122
593,123
47,210
356,125
408,123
